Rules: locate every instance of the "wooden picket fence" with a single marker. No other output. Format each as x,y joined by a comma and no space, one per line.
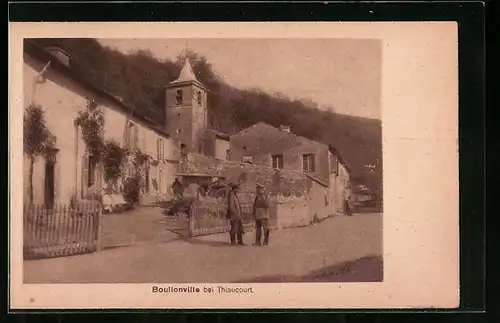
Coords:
61,230
208,216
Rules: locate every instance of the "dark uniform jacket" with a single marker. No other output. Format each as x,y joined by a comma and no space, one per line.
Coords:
234,206
261,207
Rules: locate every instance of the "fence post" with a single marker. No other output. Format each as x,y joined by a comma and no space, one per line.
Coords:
192,215
99,229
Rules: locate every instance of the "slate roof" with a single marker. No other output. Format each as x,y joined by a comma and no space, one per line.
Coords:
41,54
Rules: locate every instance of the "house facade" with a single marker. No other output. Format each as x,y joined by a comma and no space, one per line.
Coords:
263,144
281,149
66,172
340,180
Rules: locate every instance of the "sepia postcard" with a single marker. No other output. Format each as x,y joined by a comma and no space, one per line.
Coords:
234,165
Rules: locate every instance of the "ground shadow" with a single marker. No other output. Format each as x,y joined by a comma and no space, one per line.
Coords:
367,208
367,269
195,241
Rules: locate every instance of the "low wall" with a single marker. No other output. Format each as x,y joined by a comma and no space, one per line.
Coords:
293,214
301,199
276,181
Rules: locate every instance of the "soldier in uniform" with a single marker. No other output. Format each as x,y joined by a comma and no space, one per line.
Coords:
261,215
234,215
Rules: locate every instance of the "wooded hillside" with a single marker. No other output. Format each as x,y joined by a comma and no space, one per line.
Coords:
140,78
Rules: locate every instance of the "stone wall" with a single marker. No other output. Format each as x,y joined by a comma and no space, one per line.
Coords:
301,199
293,212
248,175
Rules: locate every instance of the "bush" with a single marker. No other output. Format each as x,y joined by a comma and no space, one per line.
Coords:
131,190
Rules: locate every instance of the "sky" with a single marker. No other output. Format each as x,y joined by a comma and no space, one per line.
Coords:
342,75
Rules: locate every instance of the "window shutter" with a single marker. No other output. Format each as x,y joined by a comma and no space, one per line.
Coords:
158,148
313,164
136,137
304,163
160,181
85,175
161,149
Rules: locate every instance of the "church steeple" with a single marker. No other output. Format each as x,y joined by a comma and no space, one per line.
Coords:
186,109
186,74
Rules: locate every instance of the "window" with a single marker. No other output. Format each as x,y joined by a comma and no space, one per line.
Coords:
146,184
183,150
228,154
334,167
132,136
199,98
135,142
179,97
308,163
159,149
160,181
247,159
91,169
278,161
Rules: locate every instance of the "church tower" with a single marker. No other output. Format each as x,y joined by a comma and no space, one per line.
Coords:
186,109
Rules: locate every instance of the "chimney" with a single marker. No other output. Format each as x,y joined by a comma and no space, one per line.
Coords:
285,128
60,54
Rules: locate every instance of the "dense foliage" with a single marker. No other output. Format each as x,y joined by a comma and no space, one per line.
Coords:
91,123
140,78
132,190
37,138
36,135
114,158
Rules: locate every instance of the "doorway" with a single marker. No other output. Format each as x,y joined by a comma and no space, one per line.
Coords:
49,183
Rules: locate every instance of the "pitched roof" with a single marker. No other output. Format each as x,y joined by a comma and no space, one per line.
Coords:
341,159
287,139
283,140
34,50
218,134
186,74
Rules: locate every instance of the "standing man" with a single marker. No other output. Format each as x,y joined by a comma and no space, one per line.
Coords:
347,201
177,189
261,215
234,215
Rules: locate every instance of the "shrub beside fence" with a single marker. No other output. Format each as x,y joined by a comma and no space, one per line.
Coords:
61,230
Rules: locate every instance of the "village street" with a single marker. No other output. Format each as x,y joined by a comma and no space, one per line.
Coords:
340,248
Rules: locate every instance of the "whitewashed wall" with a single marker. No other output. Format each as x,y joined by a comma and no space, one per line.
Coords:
61,101
61,98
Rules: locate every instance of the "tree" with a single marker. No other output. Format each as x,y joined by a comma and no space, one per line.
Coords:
91,121
37,138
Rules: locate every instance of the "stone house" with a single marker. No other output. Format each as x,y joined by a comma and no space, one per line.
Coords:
66,173
264,144
281,149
